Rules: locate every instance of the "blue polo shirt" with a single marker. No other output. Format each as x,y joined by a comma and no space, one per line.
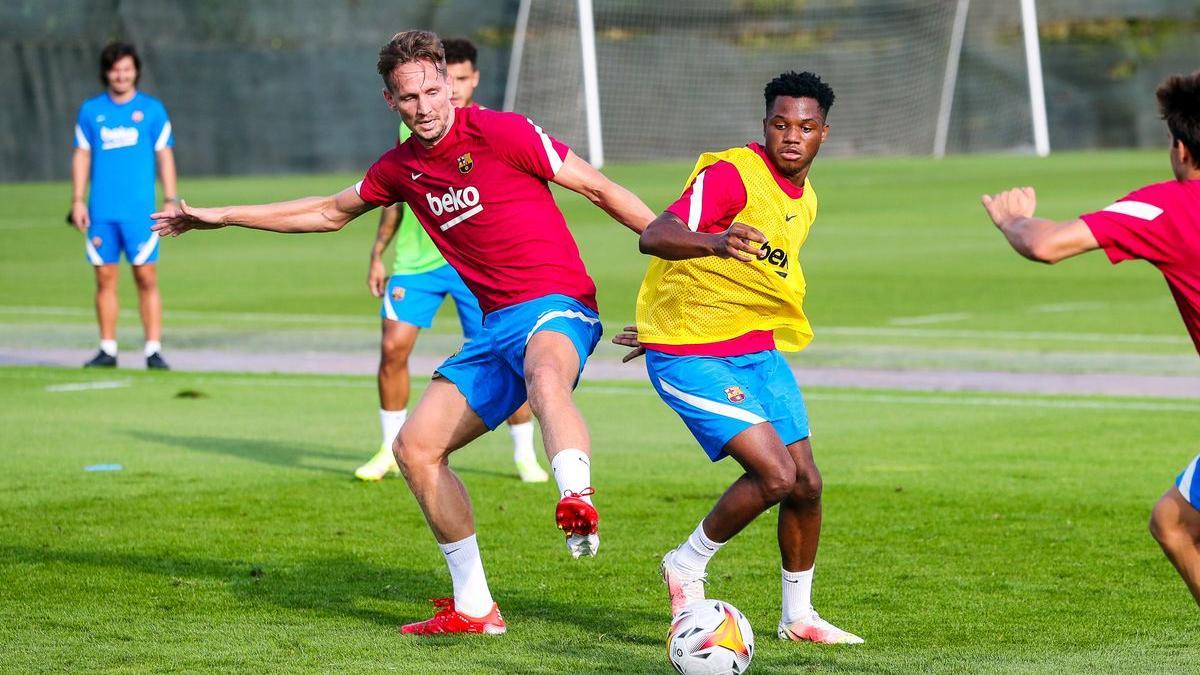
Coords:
123,139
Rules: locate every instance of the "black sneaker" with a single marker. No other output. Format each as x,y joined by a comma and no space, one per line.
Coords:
155,362
102,359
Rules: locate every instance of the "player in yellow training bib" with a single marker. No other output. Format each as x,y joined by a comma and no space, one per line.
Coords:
723,294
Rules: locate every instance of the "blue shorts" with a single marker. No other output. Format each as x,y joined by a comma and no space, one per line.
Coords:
415,299
107,238
1189,483
490,369
720,397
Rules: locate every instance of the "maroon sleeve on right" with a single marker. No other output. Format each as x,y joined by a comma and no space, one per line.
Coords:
1136,227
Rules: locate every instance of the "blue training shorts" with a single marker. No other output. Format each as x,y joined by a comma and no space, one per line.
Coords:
490,369
415,299
720,397
1189,483
106,239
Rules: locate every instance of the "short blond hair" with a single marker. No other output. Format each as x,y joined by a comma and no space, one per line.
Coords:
409,46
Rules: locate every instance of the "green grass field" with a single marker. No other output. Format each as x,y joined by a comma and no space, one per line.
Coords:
963,533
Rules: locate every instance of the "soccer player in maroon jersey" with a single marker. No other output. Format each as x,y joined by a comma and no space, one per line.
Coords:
1160,224
477,182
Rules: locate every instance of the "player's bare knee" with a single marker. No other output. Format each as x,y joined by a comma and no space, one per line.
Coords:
777,483
808,486
411,454
545,384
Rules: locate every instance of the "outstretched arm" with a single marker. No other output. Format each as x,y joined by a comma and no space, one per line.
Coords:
624,206
310,214
1038,239
670,238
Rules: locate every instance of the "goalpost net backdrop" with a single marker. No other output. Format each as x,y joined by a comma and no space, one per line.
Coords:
679,78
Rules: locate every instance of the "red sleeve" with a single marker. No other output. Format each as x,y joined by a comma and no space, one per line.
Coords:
524,145
376,186
1136,227
713,199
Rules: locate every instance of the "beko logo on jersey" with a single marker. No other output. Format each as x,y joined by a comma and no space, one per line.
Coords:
775,256
454,201
112,138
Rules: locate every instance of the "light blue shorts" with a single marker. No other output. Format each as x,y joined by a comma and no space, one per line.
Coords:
106,239
490,369
1189,483
720,397
415,299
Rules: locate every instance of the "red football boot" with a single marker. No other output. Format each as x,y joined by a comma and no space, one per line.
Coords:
579,520
449,620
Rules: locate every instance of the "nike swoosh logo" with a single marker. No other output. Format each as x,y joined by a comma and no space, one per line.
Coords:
417,175
782,274
792,581
789,218
455,550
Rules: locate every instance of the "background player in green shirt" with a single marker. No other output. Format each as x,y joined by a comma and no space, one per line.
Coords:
420,280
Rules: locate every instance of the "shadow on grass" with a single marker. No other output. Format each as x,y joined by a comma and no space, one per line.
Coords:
339,586
273,453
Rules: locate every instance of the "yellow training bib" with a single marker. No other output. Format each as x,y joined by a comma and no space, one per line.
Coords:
712,299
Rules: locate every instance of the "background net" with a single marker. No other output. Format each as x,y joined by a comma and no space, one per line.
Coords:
274,86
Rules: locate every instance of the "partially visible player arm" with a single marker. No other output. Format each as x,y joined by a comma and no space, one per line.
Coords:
81,168
1038,239
624,206
310,214
165,160
670,238
389,220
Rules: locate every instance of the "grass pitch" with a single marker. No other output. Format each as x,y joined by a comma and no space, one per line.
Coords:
970,532
980,533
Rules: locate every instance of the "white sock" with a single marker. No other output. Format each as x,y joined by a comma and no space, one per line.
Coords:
572,471
471,594
152,347
109,347
797,595
693,555
391,421
522,437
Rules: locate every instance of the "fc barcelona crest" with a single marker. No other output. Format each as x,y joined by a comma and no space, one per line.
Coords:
465,163
734,394
397,293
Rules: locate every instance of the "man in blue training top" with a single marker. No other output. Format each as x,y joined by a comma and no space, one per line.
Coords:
121,136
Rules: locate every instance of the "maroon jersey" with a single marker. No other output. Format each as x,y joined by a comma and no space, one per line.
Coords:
1160,224
482,195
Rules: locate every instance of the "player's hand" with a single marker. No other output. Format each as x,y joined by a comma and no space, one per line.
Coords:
629,338
741,242
377,278
79,216
1010,205
175,219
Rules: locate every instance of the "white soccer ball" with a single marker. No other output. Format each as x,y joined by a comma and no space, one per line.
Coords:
710,637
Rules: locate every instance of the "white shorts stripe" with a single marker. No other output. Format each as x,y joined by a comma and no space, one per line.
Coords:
1136,209
1186,481
558,313
358,189
388,310
147,250
696,207
80,140
163,137
92,254
722,409
555,161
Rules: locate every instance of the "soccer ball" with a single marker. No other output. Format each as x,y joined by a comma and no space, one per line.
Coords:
710,637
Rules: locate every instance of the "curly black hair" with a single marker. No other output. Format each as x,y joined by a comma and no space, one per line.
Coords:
1179,103
800,85
460,50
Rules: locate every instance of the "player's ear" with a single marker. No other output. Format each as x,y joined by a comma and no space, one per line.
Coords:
391,101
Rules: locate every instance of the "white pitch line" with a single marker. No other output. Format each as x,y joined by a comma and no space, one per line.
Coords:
87,386
929,318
